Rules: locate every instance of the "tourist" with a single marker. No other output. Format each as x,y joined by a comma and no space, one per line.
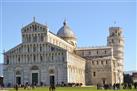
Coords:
16,87
52,88
135,85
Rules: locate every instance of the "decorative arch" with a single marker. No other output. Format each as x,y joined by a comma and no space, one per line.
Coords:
34,67
18,72
51,71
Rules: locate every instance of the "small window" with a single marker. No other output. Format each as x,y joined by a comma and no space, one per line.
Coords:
44,29
52,48
116,31
97,51
58,53
101,62
52,57
40,48
112,41
42,38
34,57
35,38
19,59
41,58
97,62
34,49
106,62
94,74
105,51
93,62
28,49
8,61
118,34
35,28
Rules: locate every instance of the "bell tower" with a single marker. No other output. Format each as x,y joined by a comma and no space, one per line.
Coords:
116,40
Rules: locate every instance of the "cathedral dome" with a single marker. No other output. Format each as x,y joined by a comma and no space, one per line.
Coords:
65,31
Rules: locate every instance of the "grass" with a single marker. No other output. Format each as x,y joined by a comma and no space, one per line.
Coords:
69,89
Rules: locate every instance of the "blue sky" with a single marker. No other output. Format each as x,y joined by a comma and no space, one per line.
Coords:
89,19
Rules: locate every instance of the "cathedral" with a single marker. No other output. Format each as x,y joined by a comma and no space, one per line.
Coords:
49,58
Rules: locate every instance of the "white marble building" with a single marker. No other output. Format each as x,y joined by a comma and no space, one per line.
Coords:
55,58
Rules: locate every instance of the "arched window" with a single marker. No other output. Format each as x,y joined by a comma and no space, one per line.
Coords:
105,51
106,62
19,59
44,29
28,48
35,28
52,57
34,57
97,62
102,62
93,62
52,48
8,61
41,38
40,48
112,41
97,51
35,38
29,38
94,74
18,73
34,48
41,58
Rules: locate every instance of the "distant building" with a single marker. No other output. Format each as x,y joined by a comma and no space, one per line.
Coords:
134,76
128,78
1,74
55,58
1,69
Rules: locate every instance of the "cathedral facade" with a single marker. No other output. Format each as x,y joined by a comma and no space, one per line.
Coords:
48,58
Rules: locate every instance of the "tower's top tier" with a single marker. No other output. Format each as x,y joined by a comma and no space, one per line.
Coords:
115,31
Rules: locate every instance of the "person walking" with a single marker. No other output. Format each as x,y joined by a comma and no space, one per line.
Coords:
16,87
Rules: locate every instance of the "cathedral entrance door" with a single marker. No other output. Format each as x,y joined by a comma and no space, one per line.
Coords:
18,80
52,80
34,78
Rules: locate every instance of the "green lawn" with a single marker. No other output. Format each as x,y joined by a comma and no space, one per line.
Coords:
70,89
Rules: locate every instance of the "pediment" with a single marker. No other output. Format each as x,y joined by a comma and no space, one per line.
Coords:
34,27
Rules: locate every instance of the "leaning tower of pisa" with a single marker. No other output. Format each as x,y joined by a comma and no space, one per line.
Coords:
116,40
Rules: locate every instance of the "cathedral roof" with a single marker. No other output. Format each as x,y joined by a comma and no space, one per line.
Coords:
94,47
65,31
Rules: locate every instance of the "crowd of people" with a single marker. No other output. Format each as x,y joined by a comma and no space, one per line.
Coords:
51,87
32,86
117,86
26,86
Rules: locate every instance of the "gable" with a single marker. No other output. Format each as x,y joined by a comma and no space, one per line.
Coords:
34,27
